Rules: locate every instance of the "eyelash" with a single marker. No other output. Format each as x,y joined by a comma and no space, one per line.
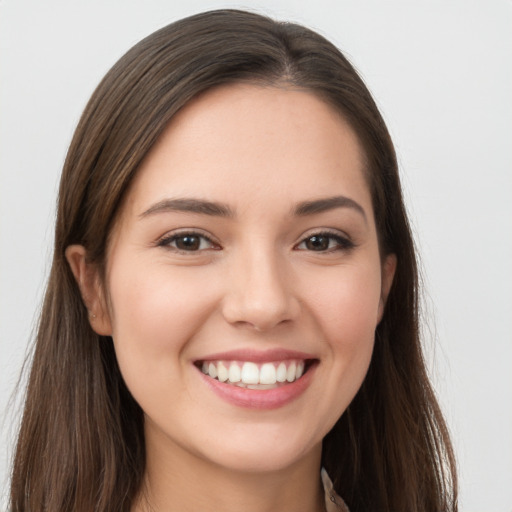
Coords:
343,243
168,240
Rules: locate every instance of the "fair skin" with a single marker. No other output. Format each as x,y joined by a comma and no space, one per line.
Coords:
265,277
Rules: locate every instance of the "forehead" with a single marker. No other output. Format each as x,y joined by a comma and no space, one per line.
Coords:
241,144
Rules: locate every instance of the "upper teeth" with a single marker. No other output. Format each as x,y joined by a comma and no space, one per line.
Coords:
252,373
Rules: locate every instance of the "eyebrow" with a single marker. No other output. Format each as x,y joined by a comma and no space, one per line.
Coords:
215,209
190,205
328,203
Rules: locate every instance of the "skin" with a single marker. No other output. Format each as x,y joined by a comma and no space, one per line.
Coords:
258,285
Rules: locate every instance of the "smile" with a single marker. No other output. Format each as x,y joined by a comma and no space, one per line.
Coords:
254,375
258,379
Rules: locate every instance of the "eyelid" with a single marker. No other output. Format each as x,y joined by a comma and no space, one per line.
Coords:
344,240
165,240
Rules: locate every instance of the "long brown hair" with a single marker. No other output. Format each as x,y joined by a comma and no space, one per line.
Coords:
81,442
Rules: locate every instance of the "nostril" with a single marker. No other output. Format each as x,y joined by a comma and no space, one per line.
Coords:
261,317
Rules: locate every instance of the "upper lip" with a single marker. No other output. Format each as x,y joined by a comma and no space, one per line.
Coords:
258,356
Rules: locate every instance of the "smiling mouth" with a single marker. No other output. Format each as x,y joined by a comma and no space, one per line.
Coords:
251,375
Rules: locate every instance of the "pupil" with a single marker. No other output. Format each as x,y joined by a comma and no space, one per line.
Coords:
318,243
188,242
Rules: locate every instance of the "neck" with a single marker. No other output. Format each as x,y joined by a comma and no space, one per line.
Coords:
176,480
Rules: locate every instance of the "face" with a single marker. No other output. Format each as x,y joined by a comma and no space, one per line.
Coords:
244,279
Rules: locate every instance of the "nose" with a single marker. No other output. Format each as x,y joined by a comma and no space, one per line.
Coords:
260,292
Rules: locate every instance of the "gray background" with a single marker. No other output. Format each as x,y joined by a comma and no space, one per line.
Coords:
441,72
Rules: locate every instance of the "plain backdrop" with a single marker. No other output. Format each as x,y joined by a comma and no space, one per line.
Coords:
441,71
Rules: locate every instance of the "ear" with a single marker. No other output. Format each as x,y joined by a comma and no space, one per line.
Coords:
89,282
388,273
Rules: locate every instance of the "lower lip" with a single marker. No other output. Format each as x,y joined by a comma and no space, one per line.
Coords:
260,398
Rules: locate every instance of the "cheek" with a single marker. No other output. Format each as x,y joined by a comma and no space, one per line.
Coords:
345,304
155,311
346,300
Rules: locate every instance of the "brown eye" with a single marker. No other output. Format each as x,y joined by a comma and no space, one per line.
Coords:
325,242
187,242
317,243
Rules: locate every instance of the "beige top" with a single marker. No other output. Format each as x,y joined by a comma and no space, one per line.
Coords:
333,503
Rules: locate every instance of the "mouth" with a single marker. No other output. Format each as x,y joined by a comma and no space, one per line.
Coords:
258,380
256,375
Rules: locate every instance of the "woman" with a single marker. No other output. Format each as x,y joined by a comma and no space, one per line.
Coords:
232,304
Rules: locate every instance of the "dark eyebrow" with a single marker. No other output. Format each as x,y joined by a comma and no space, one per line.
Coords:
189,205
222,210
328,203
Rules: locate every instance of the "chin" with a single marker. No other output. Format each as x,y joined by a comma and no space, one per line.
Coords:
257,455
